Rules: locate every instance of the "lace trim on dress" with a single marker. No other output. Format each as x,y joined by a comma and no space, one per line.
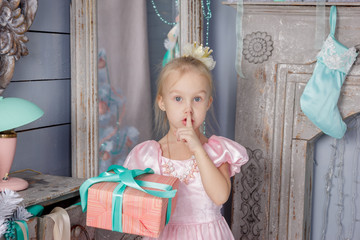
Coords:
334,60
185,175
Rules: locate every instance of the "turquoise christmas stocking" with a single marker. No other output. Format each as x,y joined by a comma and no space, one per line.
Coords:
321,93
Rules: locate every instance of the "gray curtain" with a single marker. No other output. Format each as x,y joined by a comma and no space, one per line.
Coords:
124,83
336,206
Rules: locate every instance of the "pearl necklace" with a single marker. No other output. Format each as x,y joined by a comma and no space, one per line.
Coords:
185,176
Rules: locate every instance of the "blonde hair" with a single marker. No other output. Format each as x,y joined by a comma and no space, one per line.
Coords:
180,65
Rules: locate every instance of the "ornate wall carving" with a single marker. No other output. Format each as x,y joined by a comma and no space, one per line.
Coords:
251,182
16,18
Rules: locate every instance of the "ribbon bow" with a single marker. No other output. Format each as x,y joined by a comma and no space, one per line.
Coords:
126,177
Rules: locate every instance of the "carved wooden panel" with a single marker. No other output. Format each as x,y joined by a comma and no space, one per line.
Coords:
272,194
248,211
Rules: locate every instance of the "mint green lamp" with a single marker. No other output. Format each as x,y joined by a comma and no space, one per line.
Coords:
14,113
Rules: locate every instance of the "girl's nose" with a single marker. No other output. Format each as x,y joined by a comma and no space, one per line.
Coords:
188,109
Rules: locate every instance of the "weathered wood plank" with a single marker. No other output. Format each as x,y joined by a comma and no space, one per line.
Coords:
84,96
48,189
300,190
50,54
191,22
56,13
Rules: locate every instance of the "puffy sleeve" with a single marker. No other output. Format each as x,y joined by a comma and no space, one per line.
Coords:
223,150
144,155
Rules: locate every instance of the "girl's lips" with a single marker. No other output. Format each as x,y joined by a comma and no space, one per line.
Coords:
184,121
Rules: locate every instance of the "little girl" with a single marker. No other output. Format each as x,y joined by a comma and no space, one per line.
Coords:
204,166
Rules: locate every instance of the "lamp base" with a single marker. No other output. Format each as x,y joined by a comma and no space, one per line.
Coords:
13,183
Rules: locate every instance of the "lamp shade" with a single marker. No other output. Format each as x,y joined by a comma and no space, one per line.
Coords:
16,112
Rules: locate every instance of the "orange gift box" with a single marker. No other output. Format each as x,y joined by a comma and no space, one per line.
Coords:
142,213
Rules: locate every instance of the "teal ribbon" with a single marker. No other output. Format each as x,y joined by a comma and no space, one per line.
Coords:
35,210
239,38
20,235
126,178
320,24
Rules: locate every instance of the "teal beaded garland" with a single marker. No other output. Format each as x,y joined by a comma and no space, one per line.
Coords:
158,14
204,128
207,15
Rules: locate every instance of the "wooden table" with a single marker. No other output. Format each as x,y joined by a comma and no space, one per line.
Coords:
48,189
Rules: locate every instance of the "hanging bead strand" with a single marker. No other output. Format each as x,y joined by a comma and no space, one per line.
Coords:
204,128
207,17
159,15
206,13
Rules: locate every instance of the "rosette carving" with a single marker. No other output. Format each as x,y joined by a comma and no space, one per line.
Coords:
16,17
257,47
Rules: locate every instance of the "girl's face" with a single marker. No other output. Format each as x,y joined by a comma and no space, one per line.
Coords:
184,94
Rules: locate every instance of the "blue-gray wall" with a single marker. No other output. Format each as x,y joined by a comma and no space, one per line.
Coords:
223,41
157,33
43,77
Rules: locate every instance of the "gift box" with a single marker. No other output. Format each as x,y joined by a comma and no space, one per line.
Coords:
140,213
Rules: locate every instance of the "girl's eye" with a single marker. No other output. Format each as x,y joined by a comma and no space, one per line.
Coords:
197,99
178,99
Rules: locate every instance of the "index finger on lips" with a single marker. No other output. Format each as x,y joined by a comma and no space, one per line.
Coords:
188,120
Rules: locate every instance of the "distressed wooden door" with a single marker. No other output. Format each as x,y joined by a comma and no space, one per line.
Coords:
272,194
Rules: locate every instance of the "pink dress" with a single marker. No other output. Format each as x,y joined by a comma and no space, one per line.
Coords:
196,216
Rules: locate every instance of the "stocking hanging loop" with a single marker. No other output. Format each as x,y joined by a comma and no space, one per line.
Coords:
332,20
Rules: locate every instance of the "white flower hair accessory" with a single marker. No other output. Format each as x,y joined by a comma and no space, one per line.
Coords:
201,53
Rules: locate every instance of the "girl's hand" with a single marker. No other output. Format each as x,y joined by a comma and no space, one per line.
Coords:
188,135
